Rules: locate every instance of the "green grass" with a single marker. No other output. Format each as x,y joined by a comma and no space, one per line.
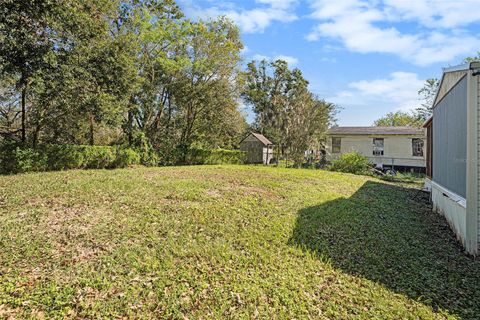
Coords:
218,242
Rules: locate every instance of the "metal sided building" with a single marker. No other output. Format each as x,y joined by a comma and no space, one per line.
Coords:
453,138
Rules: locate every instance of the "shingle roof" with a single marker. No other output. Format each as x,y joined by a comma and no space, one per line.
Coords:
262,138
376,130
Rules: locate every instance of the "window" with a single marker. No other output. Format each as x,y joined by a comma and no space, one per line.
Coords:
378,146
417,147
336,145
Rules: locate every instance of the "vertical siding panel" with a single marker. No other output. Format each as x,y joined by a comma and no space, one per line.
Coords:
450,132
478,151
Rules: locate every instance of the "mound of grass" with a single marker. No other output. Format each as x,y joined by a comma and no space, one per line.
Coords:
226,242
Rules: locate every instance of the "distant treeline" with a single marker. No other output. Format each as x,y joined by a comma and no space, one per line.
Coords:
139,75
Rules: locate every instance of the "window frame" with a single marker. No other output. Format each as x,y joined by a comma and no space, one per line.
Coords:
378,151
420,150
336,147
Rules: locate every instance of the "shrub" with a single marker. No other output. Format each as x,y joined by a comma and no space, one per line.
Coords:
197,156
29,160
63,157
352,162
126,157
7,154
14,159
214,156
99,157
142,146
222,156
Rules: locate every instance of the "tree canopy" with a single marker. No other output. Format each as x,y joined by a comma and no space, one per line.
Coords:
104,72
286,111
419,115
399,118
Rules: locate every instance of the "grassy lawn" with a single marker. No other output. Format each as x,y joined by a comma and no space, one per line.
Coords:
226,242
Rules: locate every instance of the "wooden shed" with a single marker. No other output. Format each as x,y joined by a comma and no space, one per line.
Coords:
258,149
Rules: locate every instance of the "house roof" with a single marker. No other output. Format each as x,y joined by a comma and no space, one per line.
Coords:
262,139
375,131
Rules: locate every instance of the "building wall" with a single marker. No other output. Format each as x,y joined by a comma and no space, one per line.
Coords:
397,149
450,139
453,207
477,85
473,169
256,151
456,171
267,154
253,149
429,146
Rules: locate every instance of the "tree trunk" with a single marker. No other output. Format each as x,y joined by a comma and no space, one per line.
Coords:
92,140
24,113
130,127
35,136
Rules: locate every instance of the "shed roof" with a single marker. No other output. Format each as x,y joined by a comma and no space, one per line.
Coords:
376,131
262,139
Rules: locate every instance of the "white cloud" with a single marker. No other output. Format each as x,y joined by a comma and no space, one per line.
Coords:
355,24
397,92
328,59
292,61
281,4
249,20
436,14
260,57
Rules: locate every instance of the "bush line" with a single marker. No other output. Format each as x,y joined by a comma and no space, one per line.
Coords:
15,159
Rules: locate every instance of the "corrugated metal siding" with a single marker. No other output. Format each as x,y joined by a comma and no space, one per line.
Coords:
450,139
478,157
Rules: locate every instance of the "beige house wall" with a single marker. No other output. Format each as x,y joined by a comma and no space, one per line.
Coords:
397,149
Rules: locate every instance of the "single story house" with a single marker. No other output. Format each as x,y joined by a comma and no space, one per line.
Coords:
399,148
258,149
453,135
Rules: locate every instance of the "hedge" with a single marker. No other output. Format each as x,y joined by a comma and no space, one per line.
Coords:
14,159
214,156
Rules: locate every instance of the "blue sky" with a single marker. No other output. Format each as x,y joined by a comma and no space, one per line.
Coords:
369,57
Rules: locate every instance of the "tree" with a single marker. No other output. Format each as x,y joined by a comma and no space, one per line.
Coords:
26,43
472,59
9,111
307,125
427,95
399,118
269,88
158,31
64,58
206,83
118,71
286,111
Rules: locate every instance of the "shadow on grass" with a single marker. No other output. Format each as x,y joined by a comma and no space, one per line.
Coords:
381,234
